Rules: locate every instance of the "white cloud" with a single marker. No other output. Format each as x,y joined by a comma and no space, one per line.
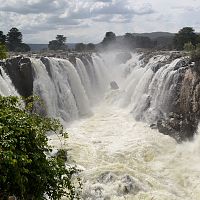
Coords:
88,20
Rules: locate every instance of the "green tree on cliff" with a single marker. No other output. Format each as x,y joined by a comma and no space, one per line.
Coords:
185,35
3,51
189,46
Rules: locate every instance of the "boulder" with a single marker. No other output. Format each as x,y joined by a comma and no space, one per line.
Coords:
114,85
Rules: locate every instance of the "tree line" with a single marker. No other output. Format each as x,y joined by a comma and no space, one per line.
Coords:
60,44
133,40
13,41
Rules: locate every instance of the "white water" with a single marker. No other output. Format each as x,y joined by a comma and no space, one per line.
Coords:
125,159
6,86
121,158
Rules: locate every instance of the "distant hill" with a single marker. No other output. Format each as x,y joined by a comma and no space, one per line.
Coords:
155,35
39,47
162,40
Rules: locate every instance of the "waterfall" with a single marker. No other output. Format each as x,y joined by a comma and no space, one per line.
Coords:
148,91
62,92
6,86
68,91
86,82
120,157
101,73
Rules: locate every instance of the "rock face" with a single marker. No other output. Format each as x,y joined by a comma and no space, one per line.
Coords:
20,71
181,119
181,123
114,85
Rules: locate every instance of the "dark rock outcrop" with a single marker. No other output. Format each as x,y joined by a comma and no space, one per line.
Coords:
182,122
114,85
20,71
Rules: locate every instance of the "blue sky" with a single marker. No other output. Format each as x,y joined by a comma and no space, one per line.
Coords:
88,20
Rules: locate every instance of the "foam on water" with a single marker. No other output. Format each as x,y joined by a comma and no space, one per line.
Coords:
123,158
6,86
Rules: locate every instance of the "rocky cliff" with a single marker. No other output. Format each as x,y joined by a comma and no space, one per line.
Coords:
183,113
181,121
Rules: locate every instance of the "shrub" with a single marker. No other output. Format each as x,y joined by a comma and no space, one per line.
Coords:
3,51
189,46
195,54
25,169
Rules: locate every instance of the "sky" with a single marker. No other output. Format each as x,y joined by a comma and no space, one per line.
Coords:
88,20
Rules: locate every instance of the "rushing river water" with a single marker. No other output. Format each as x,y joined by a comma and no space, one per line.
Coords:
120,158
125,159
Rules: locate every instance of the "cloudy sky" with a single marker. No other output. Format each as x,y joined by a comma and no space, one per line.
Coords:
88,20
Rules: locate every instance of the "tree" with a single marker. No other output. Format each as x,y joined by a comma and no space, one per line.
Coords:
23,47
80,47
61,39
185,35
14,39
3,51
58,44
27,169
54,45
2,38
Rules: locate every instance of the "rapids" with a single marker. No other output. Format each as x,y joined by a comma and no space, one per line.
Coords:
110,140
125,159
122,158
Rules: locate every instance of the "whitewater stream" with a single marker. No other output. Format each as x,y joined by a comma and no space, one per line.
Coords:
110,140
125,159
121,158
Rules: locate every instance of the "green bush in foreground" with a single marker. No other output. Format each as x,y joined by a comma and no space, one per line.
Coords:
25,169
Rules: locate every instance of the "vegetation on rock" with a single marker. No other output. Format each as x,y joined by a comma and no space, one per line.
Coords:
3,51
185,35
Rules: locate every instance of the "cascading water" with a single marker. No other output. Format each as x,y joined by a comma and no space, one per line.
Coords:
124,159
84,77
120,158
6,86
61,89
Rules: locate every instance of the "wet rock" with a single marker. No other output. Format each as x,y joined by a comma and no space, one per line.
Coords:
107,177
128,185
178,126
72,59
153,126
95,192
20,71
114,85
155,68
